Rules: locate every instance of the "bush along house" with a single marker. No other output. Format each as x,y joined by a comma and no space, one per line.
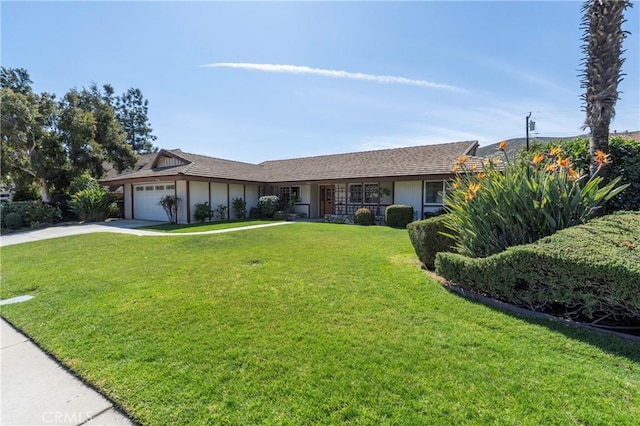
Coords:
328,186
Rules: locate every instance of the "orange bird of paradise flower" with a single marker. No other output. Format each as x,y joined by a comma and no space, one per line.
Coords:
564,162
601,158
573,175
555,151
537,159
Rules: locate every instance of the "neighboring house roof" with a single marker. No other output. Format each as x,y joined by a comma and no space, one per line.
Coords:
411,161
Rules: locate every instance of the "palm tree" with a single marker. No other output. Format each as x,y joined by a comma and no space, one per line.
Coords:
603,36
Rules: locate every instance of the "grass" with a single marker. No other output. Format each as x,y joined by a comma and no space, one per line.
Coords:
303,324
204,227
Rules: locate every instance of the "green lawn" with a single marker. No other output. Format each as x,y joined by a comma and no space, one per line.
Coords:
303,324
203,227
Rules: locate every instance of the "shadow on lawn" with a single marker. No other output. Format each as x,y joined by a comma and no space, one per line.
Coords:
610,343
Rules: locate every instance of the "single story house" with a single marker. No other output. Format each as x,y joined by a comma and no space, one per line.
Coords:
336,184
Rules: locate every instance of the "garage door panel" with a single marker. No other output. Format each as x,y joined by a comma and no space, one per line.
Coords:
146,198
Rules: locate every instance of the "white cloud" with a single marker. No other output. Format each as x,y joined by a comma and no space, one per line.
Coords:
297,69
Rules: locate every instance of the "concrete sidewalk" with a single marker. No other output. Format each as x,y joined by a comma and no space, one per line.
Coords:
123,226
36,390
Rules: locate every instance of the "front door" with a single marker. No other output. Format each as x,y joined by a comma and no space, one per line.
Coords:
326,199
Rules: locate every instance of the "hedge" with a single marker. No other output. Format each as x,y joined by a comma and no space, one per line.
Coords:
32,212
588,272
427,239
364,217
398,215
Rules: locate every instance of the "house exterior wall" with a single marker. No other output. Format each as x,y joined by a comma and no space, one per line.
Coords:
181,192
235,191
314,200
218,194
127,188
304,206
199,194
409,193
251,197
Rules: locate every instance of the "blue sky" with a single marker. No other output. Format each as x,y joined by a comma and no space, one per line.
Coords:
253,81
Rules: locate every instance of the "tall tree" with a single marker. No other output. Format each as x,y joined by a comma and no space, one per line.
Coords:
132,112
603,36
50,142
31,147
91,132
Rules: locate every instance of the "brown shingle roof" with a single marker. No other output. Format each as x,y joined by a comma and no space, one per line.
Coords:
397,162
410,161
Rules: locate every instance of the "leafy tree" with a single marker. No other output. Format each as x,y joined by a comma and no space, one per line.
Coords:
51,142
92,133
603,36
31,148
131,110
16,79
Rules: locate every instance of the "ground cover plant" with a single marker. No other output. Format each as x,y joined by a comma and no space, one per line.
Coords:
204,227
303,324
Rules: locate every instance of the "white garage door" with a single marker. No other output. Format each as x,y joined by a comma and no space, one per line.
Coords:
145,200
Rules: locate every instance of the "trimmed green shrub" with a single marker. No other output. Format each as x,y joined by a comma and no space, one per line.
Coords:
398,215
520,202
279,215
254,213
428,239
364,217
239,207
202,212
268,205
625,163
13,220
220,213
590,271
92,204
32,212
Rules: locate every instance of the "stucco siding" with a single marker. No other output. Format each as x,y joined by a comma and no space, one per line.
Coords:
409,193
181,192
251,193
199,193
218,194
127,200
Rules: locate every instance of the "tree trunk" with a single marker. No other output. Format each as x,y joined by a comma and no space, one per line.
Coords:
46,198
600,141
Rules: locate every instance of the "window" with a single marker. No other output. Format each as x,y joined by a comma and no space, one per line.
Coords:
170,187
287,193
371,193
433,192
355,193
159,187
148,188
139,188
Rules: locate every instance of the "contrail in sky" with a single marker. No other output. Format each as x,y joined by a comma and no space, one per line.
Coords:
297,69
